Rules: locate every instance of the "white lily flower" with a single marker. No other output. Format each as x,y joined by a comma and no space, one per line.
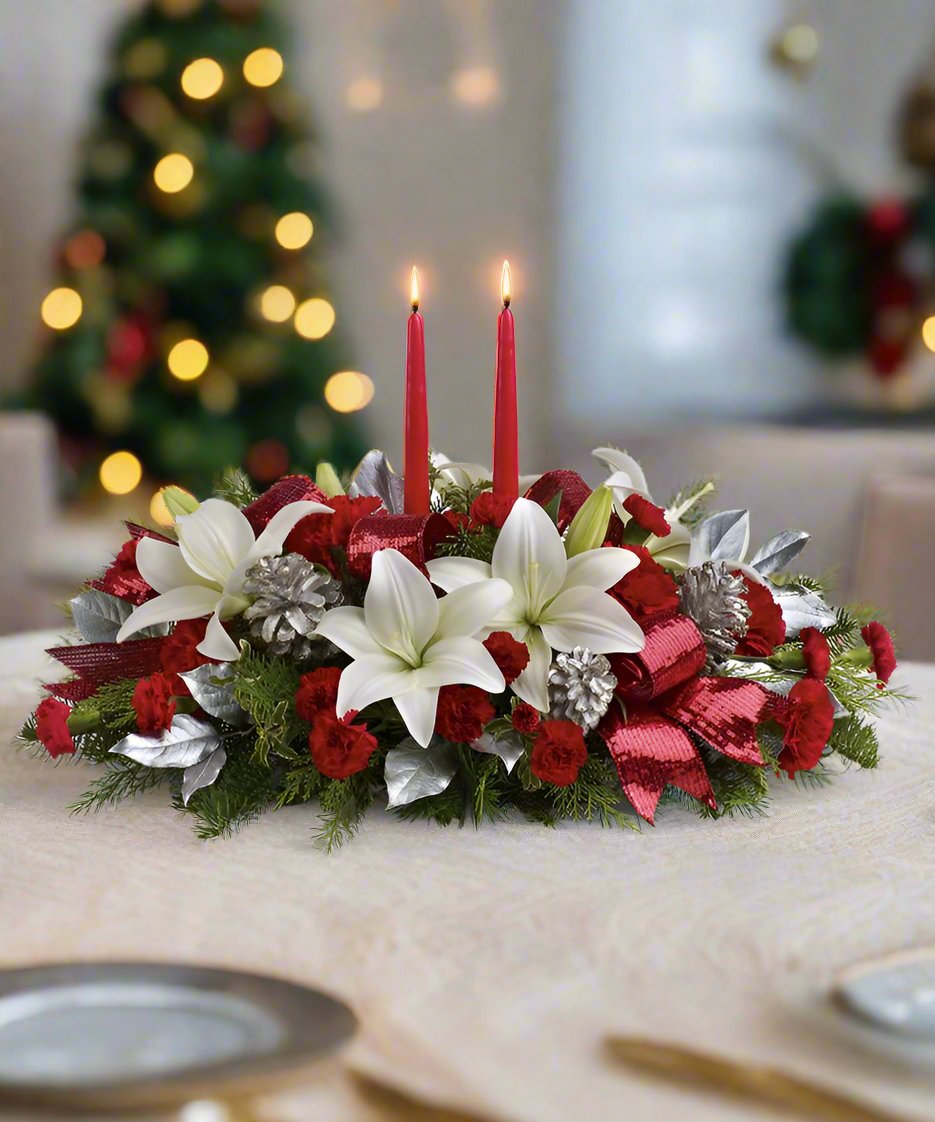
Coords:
557,603
406,643
203,575
464,475
627,478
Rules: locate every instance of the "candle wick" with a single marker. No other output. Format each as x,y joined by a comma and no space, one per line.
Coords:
506,301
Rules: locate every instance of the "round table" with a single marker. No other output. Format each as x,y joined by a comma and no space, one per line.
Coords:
488,966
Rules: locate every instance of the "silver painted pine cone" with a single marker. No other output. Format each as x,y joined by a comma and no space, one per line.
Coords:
712,596
581,686
291,595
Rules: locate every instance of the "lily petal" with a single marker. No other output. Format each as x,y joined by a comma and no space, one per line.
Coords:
584,617
214,539
618,461
163,567
217,643
450,573
400,606
189,602
533,684
418,708
346,627
600,568
529,554
281,525
371,679
468,610
460,661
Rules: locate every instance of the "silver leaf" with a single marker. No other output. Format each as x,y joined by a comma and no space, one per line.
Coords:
776,554
802,609
186,742
509,748
720,537
212,687
412,772
202,774
374,476
98,617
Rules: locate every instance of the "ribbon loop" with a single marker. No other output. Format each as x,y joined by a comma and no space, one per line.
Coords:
416,536
674,653
98,663
724,712
574,494
289,489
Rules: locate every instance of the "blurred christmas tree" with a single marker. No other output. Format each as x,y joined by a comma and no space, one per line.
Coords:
191,327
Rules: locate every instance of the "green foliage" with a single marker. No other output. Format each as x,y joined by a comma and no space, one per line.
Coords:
464,542
460,499
233,485
112,704
344,802
122,779
594,796
738,788
265,686
705,487
243,790
855,741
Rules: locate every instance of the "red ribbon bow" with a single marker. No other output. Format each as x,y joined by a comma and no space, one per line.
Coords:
652,745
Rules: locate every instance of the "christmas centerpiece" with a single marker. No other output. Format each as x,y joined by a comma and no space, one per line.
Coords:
460,645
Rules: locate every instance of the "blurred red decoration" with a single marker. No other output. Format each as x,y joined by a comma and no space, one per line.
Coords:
267,460
888,220
84,250
127,346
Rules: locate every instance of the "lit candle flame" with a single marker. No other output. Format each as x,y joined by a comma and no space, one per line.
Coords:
414,289
506,285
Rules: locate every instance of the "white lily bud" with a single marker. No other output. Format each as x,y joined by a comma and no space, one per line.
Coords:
327,479
588,528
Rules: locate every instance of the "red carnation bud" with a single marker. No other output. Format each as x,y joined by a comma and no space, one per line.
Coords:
511,656
647,515
52,727
153,703
816,652
880,642
559,753
525,717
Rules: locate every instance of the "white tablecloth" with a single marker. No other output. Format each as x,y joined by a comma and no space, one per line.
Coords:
487,966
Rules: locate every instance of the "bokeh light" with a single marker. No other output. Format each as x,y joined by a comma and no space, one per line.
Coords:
800,43
61,309
267,460
202,78
928,333
294,230
218,392
364,94
277,303
475,86
173,173
348,390
85,249
314,318
188,360
263,67
121,473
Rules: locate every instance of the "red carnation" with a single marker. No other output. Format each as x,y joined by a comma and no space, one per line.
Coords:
880,642
647,515
490,509
766,628
816,652
339,749
807,722
462,713
317,692
153,703
179,653
122,578
526,717
511,656
559,753
52,727
648,592
316,536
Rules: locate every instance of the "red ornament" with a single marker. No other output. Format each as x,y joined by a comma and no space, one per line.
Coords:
267,460
886,356
127,346
888,220
153,703
462,713
807,722
52,727
766,628
559,753
511,656
880,642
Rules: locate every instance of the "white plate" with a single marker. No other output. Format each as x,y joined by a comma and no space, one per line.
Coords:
131,1035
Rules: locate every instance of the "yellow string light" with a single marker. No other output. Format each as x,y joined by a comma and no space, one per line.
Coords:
188,360
173,173
314,318
928,333
348,390
364,94
277,303
120,473
475,86
263,67
61,309
294,230
202,78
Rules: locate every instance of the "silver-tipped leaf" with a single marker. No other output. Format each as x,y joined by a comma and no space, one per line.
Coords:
212,686
773,556
185,743
508,747
412,772
802,608
202,774
374,476
724,536
98,617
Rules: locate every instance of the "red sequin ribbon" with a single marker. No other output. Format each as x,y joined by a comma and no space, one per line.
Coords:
97,663
667,701
574,493
289,489
416,536
126,583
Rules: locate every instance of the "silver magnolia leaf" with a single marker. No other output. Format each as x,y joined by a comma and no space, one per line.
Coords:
202,774
212,687
775,555
412,772
374,476
720,537
802,608
98,617
509,748
186,742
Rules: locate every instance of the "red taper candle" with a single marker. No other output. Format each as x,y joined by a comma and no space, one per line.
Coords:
505,428
416,456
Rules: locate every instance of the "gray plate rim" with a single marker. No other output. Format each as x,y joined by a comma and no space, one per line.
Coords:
227,1078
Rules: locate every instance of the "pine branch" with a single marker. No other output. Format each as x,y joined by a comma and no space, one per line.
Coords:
233,485
266,686
344,802
121,780
595,795
855,741
699,509
464,542
242,791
